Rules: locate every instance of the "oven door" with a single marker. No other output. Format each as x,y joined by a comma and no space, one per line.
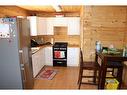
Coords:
59,54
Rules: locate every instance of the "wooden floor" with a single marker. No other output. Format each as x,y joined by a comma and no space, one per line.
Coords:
66,78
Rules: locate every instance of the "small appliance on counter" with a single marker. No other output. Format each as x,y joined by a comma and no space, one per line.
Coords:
60,54
34,43
98,46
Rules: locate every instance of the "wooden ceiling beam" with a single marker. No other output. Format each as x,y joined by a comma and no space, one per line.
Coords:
36,13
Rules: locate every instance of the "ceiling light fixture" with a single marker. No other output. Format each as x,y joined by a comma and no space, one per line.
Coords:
57,8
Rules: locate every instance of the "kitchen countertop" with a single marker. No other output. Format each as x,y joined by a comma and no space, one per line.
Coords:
73,45
36,49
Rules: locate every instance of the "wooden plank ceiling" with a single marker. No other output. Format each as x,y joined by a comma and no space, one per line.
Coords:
50,9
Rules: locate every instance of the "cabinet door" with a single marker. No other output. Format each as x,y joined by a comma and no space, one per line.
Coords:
41,26
60,21
37,62
34,64
73,57
33,25
50,23
48,56
42,61
74,26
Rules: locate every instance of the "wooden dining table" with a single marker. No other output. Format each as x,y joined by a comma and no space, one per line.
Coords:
104,59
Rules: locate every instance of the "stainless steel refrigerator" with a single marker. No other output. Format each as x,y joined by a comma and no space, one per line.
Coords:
15,54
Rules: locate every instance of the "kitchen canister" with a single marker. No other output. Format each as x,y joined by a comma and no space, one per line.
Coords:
98,46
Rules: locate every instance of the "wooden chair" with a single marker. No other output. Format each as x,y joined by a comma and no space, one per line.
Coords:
87,66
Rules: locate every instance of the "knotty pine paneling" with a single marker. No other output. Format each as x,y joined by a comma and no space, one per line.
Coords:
12,11
125,33
107,24
81,26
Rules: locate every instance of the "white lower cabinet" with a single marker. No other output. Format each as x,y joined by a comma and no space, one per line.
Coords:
40,58
73,56
34,64
48,56
45,57
37,61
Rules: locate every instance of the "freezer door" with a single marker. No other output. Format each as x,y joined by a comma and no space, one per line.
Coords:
25,53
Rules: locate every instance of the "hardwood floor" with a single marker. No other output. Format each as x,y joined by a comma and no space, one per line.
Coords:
66,78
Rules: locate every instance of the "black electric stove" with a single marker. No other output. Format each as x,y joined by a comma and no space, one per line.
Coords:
60,54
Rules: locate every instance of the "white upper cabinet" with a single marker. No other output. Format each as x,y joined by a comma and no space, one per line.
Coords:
60,21
74,26
41,26
38,25
72,23
45,26
50,23
33,25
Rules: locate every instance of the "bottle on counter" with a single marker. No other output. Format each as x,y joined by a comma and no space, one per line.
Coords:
125,51
98,46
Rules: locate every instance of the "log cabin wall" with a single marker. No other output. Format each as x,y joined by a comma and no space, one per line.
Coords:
125,40
125,67
107,24
81,27
6,11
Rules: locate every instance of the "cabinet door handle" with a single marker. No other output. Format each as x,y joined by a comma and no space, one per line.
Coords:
23,72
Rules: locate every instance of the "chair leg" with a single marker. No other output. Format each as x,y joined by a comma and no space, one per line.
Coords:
80,84
80,78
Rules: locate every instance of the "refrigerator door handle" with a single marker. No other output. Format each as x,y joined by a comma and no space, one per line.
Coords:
23,72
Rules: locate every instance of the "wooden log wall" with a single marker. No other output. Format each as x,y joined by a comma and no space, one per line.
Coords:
6,11
107,24
81,26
